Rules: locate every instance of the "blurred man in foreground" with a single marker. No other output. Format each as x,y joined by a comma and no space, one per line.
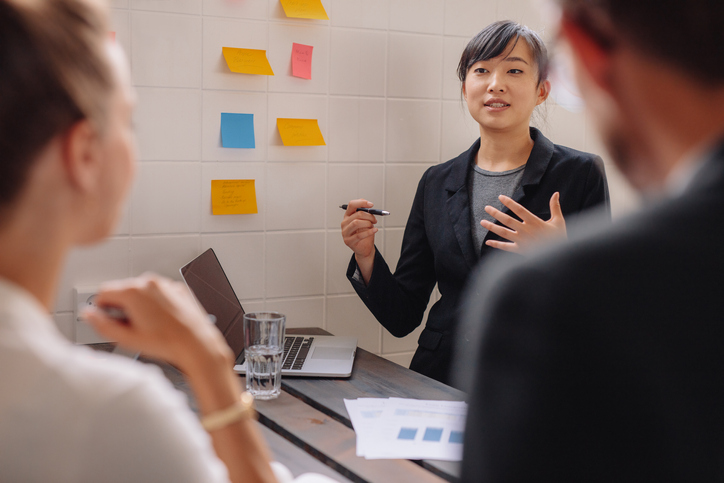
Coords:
603,359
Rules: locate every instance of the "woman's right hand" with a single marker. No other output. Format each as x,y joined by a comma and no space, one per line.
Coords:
163,321
358,233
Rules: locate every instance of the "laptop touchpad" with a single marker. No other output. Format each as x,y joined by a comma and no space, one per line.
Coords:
331,353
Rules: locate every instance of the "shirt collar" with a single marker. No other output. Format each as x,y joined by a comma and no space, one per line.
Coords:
691,163
680,177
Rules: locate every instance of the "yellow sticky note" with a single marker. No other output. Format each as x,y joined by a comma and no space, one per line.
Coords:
233,197
304,9
300,132
247,61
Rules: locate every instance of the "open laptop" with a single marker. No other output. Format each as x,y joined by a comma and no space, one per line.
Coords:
304,355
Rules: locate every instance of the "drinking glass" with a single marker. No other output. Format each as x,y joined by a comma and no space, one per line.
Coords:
263,346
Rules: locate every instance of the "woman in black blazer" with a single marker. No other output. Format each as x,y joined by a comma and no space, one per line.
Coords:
512,179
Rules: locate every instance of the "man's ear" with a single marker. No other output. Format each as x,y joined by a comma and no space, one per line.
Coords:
590,54
81,155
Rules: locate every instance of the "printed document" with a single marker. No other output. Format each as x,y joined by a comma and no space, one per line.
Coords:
408,428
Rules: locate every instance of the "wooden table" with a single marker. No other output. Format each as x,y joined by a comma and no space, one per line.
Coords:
311,414
308,429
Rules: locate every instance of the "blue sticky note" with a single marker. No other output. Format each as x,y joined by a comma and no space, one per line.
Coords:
237,130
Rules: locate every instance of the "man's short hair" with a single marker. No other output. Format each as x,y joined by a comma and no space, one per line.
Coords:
685,34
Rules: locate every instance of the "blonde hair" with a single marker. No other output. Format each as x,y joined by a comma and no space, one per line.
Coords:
54,72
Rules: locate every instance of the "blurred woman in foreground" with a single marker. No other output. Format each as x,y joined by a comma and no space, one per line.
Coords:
66,163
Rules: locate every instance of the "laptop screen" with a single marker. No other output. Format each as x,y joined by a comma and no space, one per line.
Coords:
208,282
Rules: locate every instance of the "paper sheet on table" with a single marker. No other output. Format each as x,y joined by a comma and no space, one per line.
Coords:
408,428
364,413
300,132
247,61
304,9
302,60
233,197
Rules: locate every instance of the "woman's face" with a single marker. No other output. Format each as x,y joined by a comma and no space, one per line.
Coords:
502,92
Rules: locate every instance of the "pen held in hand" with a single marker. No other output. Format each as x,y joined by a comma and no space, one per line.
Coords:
371,211
119,315
114,313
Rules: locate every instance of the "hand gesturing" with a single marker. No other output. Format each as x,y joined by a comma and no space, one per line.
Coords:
523,234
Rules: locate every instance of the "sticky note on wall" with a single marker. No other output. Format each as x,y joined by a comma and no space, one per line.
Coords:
300,132
302,60
247,61
304,9
237,130
233,197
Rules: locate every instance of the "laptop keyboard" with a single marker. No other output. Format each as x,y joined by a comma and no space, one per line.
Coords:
296,350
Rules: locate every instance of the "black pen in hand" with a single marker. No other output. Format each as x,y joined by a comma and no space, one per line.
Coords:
371,211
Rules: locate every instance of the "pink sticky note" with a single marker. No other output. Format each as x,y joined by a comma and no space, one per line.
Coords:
302,61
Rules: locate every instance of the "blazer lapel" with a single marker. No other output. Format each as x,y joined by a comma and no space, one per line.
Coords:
458,203
536,165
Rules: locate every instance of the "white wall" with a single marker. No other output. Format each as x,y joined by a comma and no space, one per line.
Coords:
387,99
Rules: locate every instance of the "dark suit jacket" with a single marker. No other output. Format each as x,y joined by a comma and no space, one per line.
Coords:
438,243
603,359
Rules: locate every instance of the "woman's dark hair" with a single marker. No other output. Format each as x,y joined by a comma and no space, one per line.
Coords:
54,72
493,41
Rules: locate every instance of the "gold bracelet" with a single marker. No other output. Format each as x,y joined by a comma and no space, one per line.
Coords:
242,409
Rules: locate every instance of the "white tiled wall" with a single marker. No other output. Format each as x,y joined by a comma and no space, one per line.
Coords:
384,89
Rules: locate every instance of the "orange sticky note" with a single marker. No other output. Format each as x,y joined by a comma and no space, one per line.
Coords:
302,61
233,197
304,9
300,132
247,61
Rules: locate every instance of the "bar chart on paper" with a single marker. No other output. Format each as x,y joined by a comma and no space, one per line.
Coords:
408,428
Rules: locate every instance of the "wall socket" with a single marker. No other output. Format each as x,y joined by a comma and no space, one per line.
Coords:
84,333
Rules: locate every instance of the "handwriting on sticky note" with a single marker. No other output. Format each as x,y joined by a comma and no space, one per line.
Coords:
302,60
247,61
233,197
237,130
300,132
304,9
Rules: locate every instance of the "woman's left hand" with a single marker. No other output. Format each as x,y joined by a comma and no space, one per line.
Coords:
523,234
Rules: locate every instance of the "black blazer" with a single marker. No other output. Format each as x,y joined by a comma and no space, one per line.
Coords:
437,247
602,359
